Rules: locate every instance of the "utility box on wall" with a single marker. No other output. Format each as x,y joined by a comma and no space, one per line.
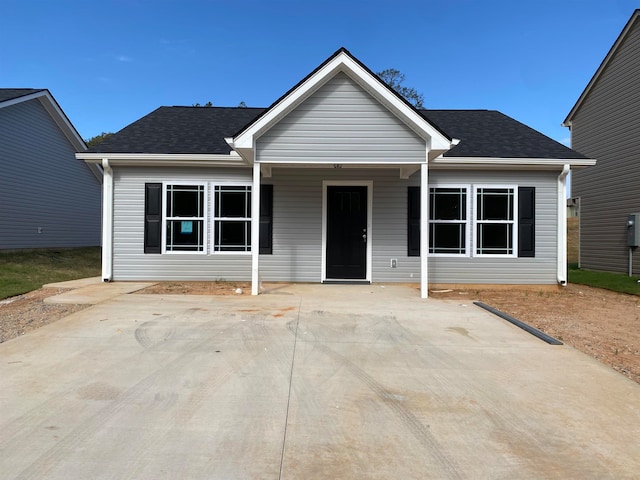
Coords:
633,230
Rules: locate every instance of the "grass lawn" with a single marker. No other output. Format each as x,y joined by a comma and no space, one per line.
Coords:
23,271
617,282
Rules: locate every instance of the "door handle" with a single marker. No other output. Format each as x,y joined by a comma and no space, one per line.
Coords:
364,237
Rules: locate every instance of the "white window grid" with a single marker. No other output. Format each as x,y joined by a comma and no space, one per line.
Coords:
167,219
466,222
511,231
242,187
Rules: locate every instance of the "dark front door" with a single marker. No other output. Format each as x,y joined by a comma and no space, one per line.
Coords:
346,232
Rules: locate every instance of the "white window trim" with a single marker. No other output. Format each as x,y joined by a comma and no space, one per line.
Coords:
514,222
467,222
212,245
165,218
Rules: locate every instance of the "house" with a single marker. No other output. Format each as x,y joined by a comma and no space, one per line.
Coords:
325,186
605,125
48,199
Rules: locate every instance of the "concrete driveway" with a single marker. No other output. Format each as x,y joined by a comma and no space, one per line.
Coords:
307,382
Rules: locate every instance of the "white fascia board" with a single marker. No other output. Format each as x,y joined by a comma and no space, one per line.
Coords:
341,63
510,163
156,159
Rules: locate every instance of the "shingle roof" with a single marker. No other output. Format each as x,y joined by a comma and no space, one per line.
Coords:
489,133
202,130
180,130
11,93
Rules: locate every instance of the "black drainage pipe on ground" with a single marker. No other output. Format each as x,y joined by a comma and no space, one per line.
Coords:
528,328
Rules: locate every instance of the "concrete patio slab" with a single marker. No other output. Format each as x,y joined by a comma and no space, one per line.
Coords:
307,381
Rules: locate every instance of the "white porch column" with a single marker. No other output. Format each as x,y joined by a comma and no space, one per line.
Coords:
424,230
255,230
107,221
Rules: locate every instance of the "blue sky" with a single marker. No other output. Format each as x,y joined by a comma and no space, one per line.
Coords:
109,63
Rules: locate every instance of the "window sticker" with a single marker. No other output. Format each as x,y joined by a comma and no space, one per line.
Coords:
186,227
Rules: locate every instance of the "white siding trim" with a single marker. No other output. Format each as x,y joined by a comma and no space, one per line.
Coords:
356,183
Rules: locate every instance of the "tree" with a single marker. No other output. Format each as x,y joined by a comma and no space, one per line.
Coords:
93,141
208,104
394,79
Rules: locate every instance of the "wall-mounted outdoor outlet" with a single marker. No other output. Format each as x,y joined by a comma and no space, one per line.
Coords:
39,229
394,262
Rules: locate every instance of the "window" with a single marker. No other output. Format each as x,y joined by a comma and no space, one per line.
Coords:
503,221
185,223
232,219
448,220
176,218
495,220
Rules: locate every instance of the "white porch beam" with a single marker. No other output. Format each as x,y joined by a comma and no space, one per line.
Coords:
255,230
424,230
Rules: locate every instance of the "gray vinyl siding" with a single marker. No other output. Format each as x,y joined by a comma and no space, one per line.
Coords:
341,123
43,185
541,269
129,260
297,229
607,128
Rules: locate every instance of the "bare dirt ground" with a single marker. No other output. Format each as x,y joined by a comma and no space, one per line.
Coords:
600,323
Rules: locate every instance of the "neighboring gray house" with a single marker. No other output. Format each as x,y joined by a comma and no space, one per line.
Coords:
48,199
324,186
605,125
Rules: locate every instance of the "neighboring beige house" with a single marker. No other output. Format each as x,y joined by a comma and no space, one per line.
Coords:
605,125
48,199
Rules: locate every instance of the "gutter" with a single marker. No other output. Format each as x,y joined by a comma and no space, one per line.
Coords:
562,225
107,221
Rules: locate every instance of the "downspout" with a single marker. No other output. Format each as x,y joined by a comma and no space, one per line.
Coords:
107,222
562,225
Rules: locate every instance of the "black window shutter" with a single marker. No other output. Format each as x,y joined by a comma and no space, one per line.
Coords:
266,219
413,222
152,217
526,222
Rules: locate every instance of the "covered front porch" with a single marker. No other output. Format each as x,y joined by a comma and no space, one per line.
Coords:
339,223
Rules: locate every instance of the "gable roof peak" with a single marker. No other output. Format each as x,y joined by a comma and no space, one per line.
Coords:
635,17
340,61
